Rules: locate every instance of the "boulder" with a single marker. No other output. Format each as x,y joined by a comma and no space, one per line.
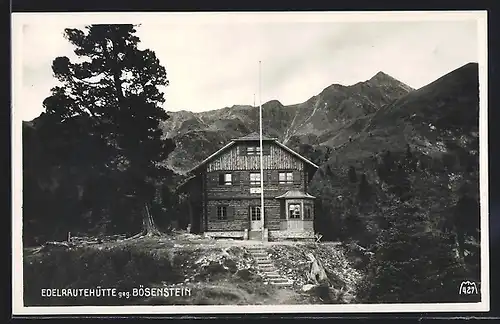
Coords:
307,287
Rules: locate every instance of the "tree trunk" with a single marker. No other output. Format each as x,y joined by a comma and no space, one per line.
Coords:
115,70
148,225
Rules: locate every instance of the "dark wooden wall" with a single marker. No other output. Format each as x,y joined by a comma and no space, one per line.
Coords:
238,216
237,196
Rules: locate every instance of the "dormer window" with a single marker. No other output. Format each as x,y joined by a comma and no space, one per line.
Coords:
253,150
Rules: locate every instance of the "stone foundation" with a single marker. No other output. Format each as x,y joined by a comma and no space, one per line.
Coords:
225,234
269,236
291,235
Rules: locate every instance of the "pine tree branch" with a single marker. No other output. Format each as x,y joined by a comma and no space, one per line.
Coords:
75,79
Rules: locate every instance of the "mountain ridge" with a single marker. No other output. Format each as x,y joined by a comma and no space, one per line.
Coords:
310,121
337,116
445,110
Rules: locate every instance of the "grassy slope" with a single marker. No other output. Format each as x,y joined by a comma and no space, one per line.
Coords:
217,272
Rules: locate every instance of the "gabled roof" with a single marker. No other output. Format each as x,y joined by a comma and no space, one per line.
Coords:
252,137
295,194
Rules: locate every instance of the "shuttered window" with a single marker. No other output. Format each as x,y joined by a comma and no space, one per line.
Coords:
286,177
225,179
255,150
222,212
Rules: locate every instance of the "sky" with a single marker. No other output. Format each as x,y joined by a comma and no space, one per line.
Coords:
212,61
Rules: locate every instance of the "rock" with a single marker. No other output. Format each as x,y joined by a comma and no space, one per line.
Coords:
307,287
225,253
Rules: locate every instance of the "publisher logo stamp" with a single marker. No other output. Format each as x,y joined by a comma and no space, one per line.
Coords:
468,288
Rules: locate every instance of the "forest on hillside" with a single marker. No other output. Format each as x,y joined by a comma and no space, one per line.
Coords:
417,223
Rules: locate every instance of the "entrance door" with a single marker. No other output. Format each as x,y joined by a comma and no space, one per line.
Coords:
255,220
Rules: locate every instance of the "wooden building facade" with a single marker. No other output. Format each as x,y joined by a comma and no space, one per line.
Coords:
226,188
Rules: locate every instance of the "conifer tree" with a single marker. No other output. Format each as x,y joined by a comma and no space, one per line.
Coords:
413,264
114,85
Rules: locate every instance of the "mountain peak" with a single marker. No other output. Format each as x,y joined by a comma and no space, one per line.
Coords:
382,78
379,76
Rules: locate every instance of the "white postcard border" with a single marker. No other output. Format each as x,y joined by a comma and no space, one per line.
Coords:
18,19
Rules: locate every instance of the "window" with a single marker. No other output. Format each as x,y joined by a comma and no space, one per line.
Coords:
294,211
221,212
255,178
255,213
225,179
285,177
253,150
307,211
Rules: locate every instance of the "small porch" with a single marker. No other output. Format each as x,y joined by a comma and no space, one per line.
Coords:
298,211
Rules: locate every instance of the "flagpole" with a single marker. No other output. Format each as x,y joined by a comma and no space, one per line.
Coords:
261,158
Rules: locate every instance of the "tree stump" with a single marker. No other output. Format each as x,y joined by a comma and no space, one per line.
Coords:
149,228
316,274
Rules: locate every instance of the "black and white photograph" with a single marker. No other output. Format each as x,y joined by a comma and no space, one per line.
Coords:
249,162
